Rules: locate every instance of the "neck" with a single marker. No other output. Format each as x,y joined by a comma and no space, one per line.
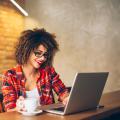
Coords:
29,70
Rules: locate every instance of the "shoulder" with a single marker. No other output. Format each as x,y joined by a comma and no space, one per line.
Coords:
50,69
10,72
13,71
11,75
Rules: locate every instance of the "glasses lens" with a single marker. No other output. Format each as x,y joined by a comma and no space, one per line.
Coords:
39,55
45,55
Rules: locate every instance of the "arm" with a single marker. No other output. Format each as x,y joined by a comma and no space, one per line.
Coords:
58,86
9,94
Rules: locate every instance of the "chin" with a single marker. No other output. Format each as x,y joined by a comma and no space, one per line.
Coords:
36,66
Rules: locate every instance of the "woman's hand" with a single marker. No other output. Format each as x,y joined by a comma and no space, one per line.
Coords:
20,106
65,100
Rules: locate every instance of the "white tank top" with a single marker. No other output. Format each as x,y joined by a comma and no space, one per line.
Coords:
32,94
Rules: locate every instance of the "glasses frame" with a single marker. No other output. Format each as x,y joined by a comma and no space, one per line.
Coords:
39,55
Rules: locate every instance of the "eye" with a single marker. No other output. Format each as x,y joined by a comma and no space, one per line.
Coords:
37,53
46,54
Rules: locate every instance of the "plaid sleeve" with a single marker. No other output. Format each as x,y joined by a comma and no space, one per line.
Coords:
57,85
9,96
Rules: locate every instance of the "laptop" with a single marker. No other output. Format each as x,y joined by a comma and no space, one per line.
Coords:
85,93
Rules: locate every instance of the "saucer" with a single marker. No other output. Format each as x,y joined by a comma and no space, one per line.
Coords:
31,113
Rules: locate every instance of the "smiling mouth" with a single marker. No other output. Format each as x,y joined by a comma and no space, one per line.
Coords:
39,62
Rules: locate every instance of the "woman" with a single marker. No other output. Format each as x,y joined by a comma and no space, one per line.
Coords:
34,72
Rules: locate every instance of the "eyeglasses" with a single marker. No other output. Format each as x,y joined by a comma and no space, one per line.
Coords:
39,55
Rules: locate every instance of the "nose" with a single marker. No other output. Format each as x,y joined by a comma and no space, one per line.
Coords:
42,58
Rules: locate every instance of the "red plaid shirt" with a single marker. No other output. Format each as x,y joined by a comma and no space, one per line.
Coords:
13,86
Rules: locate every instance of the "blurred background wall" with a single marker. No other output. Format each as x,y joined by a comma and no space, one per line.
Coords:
11,24
87,32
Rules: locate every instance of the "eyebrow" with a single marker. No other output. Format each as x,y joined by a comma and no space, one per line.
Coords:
41,51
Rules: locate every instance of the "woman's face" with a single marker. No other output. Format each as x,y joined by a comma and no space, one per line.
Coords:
38,57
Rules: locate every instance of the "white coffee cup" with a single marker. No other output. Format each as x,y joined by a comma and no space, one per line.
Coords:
31,104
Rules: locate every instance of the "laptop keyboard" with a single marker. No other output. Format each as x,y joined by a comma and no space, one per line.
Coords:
59,109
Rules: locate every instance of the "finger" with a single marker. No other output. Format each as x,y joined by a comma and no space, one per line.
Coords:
21,98
18,109
64,102
20,104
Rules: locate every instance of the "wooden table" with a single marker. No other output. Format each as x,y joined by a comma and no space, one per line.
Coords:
111,102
